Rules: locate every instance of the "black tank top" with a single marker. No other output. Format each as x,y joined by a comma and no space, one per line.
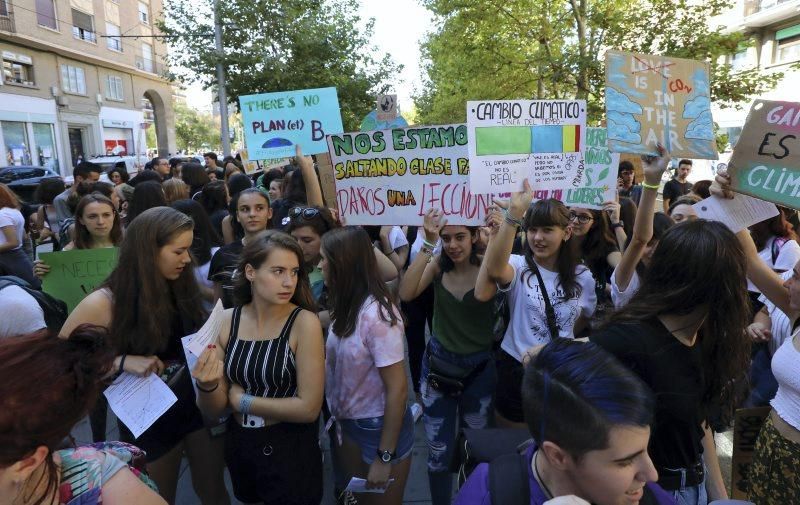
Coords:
264,368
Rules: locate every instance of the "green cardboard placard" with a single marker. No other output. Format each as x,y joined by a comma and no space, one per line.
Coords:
74,274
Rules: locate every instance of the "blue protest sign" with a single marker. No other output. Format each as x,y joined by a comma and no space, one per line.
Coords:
275,122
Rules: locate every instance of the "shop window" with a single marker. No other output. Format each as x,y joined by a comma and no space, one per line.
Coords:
83,26
15,72
73,80
15,138
46,14
44,140
114,89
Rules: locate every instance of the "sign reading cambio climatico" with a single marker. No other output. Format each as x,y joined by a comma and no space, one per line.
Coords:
766,160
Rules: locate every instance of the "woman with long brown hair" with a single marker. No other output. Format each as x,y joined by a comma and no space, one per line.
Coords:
148,303
367,389
683,332
272,446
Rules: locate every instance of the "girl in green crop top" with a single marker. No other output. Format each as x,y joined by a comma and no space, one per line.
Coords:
458,374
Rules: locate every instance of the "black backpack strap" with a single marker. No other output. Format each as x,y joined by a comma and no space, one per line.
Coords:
549,311
508,480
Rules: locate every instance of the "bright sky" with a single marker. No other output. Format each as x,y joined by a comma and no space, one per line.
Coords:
399,28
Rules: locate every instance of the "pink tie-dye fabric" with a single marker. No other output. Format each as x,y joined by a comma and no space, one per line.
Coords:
353,385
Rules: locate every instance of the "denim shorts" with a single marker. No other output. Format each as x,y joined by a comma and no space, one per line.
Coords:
366,433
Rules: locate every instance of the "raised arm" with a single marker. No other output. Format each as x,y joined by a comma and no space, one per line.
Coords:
766,280
495,267
313,189
424,268
653,167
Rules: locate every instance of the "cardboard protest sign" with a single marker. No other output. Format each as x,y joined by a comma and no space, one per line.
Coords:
652,99
766,160
326,180
510,140
275,122
746,426
396,176
387,107
599,182
76,273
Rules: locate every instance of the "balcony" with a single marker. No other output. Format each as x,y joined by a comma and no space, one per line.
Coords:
760,13
84,34
150,65
6,18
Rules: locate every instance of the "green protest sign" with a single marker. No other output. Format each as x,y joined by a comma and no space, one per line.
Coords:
74,274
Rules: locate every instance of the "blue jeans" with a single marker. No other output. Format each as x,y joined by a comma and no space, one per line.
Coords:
691,495
444,415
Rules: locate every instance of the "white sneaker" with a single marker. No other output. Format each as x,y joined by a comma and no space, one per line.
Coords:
416,411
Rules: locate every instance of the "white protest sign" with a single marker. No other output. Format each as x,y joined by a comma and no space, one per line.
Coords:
599,182
510,140
396,176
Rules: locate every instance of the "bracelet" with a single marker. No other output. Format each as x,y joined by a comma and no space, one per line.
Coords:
428,244
122,364
211,390
651,186
388,253
510,220
244,403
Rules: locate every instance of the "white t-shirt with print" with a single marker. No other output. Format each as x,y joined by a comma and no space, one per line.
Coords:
528,325
397,238
781,324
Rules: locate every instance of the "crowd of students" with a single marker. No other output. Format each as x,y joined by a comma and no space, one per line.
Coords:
620,338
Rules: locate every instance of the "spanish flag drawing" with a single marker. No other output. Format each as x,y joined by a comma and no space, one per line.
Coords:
540,139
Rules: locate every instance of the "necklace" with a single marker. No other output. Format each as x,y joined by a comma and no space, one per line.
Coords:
539,479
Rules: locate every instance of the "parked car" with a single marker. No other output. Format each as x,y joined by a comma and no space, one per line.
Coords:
24,179
133,164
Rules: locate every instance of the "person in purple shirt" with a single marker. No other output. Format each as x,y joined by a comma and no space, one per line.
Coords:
590,417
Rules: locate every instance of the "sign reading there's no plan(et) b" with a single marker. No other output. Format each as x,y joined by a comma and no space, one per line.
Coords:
275,122
510,140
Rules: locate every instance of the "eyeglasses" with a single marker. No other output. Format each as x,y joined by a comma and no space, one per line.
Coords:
581,218
303,212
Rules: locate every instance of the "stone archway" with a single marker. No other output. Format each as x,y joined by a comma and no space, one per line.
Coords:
159,120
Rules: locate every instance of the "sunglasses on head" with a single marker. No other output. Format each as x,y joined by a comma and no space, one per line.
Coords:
303,212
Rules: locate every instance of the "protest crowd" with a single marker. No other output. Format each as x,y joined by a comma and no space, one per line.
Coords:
550,352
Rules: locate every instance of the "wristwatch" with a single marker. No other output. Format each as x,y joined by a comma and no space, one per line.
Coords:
386,456
618,224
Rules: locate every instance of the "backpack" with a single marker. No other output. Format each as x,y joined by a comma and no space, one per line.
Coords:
508,480
55,311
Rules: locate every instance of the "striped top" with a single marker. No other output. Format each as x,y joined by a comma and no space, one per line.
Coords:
264,368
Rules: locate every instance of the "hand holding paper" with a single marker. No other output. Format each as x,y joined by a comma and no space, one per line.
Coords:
736,213
209,332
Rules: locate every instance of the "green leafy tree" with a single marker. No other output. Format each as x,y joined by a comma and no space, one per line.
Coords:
194,130
555,49
281,45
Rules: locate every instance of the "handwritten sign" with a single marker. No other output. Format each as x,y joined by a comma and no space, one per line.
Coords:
275,122
510,140
746,426
396,176
652,99
766,160
74,274
599,182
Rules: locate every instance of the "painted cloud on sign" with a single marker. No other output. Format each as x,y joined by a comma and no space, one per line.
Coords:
701,128
622,133
619,102
696,106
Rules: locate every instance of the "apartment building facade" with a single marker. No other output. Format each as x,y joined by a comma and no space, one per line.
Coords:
773,31
76,86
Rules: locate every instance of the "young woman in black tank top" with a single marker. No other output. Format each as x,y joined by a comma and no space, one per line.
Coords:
269,368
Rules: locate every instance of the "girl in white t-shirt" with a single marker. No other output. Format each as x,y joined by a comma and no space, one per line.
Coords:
13,259
549,294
